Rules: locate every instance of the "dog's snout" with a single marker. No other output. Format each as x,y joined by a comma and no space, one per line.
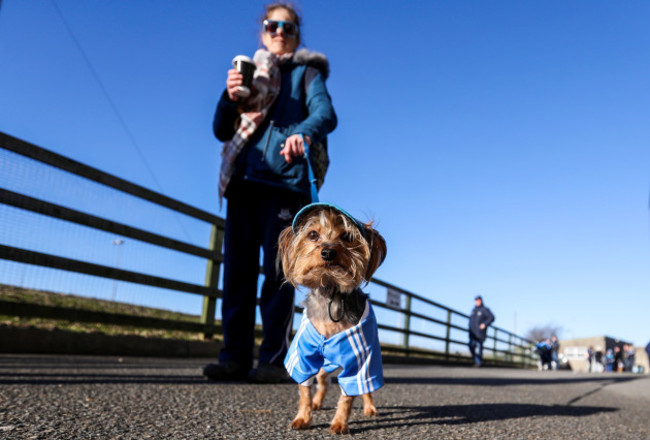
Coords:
328,254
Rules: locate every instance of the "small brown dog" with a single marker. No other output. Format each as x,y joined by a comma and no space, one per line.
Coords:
332,254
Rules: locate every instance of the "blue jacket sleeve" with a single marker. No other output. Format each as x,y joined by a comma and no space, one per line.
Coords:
225,118
322,118
490,317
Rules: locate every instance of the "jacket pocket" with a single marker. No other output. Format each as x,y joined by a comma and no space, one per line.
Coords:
273,144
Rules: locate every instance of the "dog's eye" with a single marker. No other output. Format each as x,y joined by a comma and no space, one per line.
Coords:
346,237
313,235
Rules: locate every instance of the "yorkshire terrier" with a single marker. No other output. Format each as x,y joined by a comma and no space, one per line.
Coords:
331,253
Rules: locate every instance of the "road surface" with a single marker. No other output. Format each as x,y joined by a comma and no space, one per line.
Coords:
85,397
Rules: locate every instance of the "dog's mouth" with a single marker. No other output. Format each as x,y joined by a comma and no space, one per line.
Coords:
324,268
329,274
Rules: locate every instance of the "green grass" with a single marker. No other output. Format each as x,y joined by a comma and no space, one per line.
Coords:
18,294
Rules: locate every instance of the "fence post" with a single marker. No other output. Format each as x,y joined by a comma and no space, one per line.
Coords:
407,323
212,278
510,357
494,348
448,334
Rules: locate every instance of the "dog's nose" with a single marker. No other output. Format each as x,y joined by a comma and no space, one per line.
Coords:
328,254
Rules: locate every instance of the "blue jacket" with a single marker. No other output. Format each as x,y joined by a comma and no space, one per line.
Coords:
303,106
480,315
356,351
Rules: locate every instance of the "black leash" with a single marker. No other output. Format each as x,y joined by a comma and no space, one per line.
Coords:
329,307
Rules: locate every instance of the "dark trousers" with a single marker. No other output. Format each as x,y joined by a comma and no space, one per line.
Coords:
476,349
256,215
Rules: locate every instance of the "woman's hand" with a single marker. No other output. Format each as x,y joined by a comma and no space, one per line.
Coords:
234,80
294,147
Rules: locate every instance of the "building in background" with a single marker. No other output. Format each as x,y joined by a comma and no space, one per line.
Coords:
576,352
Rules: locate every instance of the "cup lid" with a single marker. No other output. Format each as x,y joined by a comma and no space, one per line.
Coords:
243,58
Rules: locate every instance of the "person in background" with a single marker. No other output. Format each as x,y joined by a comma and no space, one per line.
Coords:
629,358
265,178
618,359
590,358
555,350
479,320
609,360
544,349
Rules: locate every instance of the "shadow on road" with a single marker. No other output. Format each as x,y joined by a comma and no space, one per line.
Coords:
78,362
96,379
72,370
391,417
506,381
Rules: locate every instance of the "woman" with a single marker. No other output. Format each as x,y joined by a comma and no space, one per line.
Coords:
264,176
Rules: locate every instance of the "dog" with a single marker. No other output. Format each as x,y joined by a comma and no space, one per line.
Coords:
331,253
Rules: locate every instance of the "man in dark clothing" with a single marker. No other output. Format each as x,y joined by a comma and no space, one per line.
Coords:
555,351
618,359
479,320
544,349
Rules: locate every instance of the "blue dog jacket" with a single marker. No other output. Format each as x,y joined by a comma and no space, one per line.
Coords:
355,350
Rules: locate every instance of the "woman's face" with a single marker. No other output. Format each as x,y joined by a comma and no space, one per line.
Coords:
279,43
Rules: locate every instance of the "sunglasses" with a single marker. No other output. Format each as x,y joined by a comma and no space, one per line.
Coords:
289,28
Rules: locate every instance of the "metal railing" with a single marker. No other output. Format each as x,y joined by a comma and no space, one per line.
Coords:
502,346
209,290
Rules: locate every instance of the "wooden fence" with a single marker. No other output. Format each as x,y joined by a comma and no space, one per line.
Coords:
502,347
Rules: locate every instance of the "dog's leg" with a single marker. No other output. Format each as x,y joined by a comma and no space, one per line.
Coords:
303,418
369,407
340,422
323,381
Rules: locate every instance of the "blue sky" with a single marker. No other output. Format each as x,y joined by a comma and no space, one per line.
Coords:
501,147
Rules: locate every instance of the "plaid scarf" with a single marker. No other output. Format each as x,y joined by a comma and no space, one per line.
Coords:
266,87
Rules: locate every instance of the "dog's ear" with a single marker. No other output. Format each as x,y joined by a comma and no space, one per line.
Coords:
284,250
377,250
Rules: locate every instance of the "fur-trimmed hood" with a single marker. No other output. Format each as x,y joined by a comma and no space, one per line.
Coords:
313,59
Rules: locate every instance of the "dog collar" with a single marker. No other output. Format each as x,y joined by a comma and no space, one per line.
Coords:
302,214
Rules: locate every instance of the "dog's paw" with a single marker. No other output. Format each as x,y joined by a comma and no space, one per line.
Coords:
370,411
369,408
338,427
299,423
317,403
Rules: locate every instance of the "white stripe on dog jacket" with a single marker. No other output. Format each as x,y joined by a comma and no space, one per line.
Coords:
356,350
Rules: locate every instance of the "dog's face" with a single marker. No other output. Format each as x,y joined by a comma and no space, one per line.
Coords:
328,250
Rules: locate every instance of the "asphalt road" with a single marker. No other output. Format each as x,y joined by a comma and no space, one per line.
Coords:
81,397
